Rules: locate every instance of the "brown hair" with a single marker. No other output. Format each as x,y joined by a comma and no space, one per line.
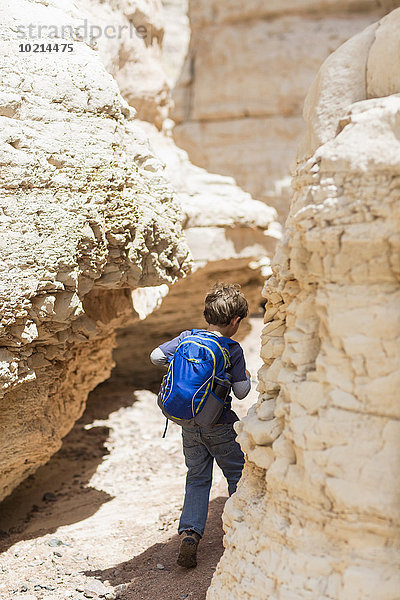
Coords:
224,302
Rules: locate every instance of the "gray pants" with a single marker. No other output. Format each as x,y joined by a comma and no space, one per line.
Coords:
200,446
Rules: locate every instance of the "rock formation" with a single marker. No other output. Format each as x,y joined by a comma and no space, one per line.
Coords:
250,64
317,511
89,211
176,38
86,213
128,35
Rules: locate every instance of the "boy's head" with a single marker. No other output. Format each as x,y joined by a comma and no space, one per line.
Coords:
223,303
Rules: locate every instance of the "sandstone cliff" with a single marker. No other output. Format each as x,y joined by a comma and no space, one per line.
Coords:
250,64
317,511
86,213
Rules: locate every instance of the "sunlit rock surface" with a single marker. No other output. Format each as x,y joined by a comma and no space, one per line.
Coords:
316,514
85,213
249,67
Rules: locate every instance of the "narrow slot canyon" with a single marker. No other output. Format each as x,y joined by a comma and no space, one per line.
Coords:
149,149
112,495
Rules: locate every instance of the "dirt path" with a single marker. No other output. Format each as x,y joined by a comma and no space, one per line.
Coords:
100,519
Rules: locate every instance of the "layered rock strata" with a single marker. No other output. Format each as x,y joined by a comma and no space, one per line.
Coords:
317,514
249,67
86,213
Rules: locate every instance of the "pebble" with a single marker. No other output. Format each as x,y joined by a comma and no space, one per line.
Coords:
39,586
95,588
160,566
54,542
49,497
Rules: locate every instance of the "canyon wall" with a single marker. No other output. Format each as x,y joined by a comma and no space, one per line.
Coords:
239,99
86,214
89,211
316,514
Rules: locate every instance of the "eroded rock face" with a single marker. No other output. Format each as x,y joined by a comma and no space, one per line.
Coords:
176,38
86,213
128,35
250,64
317,511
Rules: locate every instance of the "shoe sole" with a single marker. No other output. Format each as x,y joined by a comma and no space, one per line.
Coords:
187,553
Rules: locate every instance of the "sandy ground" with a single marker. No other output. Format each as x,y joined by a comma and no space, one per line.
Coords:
100,519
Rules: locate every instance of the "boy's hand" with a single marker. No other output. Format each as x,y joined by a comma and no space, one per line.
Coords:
248,373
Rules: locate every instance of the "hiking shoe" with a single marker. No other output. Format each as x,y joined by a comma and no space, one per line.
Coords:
188,549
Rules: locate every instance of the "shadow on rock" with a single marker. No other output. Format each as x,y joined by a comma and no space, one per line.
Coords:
59,493
155,574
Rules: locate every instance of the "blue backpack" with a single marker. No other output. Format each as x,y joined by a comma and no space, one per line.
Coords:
196,385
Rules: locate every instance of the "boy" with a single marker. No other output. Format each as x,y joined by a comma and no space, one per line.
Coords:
225,307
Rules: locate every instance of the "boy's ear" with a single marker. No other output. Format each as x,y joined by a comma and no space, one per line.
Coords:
235,321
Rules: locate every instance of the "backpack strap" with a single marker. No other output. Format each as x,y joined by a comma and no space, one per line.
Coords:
166,427
217,339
